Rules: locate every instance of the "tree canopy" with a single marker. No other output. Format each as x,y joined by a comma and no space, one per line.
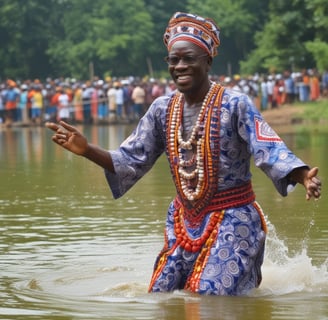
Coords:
42,38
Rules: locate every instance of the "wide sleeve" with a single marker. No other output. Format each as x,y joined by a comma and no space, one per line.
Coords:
270,152
138,153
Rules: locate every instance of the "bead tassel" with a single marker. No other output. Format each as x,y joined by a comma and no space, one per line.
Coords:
192,283
181,232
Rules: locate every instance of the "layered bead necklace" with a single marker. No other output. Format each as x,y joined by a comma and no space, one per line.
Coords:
195,143
194,164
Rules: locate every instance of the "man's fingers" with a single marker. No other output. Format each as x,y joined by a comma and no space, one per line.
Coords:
313,172
314,189
52,126
67,126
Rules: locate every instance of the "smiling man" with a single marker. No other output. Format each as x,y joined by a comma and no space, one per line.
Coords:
215,230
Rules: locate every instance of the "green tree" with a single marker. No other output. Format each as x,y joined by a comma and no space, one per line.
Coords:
238,21
160,12
112,35
319,46
318,21
319,51
282,42
121,38
24,38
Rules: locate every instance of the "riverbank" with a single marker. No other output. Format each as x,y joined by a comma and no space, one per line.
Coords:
298,113
285,115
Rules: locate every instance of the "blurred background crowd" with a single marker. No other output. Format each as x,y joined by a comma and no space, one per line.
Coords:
124,100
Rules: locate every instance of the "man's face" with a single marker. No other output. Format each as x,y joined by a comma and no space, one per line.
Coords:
188,65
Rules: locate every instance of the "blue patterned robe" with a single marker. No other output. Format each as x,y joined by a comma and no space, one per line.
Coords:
233,264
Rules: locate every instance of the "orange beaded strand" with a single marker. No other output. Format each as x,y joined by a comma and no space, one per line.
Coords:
192,283
194,245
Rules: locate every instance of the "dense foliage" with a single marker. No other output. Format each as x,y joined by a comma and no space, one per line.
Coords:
77,38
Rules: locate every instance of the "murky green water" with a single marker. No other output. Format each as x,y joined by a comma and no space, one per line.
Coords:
69,251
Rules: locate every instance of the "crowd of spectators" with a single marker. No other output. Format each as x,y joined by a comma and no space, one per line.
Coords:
32,102
275,90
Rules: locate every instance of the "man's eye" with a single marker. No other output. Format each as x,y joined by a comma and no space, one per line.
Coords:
189,59
174,60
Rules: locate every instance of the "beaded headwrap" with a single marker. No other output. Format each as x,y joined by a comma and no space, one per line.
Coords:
189,27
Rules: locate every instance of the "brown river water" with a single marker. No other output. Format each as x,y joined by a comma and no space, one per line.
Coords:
69,251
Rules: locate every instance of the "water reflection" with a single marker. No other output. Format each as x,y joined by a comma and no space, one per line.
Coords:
68,250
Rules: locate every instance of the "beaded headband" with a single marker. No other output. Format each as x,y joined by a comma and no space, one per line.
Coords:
189,27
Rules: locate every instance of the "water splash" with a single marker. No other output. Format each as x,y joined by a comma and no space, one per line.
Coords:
285,274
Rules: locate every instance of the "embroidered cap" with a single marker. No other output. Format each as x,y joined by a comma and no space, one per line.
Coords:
198,30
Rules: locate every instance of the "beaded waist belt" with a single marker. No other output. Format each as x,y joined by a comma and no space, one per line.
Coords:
234,197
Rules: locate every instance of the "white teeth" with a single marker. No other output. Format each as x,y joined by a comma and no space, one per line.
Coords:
183,77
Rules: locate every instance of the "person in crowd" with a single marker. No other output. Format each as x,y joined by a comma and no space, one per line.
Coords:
156,90
78,103
119,100
22,104
304,86
63,105
270,89
138,98
50,109
278,92
102,109
11,98
127,100
37,105
289,86
111,96
94,103
314,85
215,230
87,92
54,101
